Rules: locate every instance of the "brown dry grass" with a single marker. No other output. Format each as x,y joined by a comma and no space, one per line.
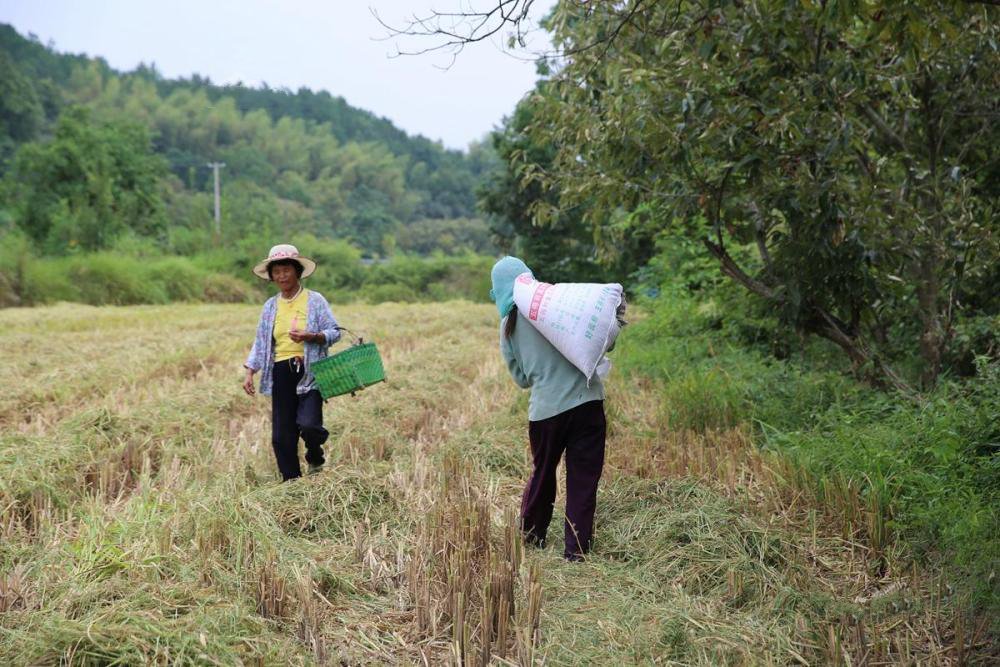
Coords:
141,521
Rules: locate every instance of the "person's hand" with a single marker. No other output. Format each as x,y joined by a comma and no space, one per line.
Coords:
300,336
248,383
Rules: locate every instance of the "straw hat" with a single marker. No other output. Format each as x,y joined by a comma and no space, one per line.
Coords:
284,251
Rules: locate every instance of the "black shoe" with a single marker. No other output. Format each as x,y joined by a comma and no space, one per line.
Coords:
574,558
315,468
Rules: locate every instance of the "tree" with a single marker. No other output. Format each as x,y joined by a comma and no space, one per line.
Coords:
564,248
21,113
87,185
851,143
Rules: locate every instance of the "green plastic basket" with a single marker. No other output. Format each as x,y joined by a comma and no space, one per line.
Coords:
349,370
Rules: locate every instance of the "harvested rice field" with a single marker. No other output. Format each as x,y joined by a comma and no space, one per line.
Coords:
142,521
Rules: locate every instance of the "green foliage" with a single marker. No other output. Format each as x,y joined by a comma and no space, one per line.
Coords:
339,269
851,145
933,463
95,279
295,162
391,293
15,258
407,278
975,336
452,236
562,250
21,113
87,186
114,279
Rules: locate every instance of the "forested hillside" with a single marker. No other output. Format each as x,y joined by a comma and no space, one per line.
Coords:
296,161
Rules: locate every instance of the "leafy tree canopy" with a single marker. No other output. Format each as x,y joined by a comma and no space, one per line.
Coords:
850,144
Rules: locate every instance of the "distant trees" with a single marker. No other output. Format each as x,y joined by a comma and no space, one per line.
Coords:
21,113
450,236
87,185
304,161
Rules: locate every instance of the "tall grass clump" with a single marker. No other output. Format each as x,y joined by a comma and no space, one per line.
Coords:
15,260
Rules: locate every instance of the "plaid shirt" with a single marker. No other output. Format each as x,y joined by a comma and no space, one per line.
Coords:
319,319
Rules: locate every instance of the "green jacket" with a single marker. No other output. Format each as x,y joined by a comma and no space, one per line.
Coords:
556,384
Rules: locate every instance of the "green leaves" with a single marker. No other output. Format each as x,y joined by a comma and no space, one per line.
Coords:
835,138
88,185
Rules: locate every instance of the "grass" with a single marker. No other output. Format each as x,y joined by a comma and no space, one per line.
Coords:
141,519
917,476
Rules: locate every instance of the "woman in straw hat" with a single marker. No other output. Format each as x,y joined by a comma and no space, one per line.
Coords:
296,327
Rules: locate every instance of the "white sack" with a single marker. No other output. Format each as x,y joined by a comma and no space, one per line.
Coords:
579,319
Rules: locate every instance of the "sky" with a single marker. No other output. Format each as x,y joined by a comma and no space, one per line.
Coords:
333,45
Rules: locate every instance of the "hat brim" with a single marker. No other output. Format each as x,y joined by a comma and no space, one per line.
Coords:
308,266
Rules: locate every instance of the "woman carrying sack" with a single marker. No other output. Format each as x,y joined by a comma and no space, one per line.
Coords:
565,414
295,329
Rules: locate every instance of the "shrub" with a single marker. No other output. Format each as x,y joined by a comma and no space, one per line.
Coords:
390,292
220,288
338,262
113,279
50,282
180,279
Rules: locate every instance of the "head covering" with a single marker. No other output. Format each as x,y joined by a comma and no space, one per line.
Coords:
505,271
284,251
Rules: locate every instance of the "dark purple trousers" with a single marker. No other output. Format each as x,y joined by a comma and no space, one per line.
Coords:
580,432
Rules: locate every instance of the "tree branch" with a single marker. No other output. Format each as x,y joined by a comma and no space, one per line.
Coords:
833,329
882,126
614,35
730,268
824,324
760,236
461,28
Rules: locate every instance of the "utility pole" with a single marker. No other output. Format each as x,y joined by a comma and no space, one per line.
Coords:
218,217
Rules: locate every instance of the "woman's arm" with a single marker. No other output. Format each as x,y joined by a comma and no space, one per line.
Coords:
329,332
255,360
513,365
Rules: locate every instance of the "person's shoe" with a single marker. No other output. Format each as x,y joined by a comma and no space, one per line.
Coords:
574,558
315,468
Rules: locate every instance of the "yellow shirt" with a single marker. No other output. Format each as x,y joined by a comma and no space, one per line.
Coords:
291,315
